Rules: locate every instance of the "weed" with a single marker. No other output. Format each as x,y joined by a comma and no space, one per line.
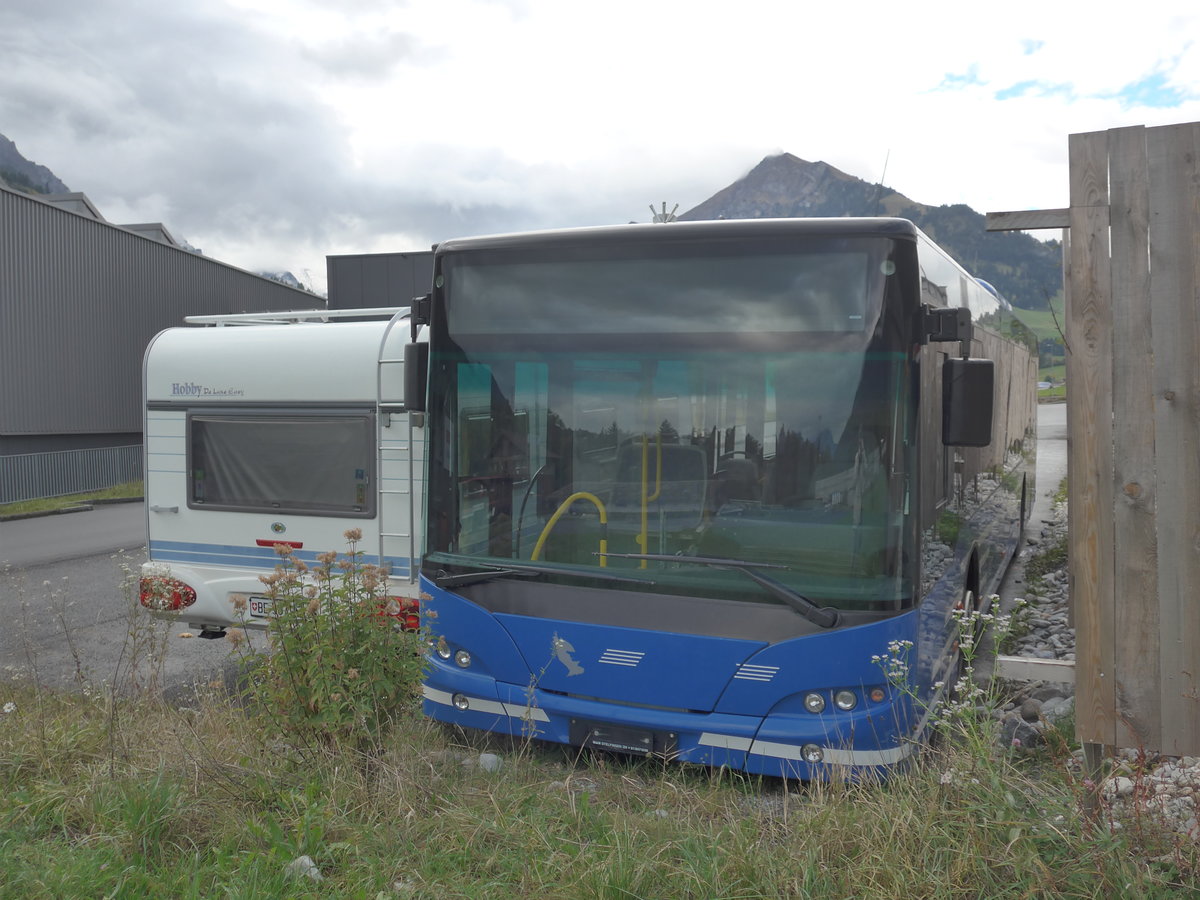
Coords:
144,644
947,528
345,660
1051,558
961,712
1060,494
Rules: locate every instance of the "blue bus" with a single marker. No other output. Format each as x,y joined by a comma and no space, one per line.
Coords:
687,483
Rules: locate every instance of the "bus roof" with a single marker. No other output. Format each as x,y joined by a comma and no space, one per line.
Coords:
680,231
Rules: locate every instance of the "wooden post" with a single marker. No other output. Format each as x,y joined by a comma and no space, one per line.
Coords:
1134,559
1090,441
1175,295
1066,266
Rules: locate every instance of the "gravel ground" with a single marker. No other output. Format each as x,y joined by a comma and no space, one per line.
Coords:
1136,784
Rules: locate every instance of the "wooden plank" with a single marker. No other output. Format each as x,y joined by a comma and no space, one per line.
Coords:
1174,296
1134,559
1027,668
1089,429
1071,524
1027,219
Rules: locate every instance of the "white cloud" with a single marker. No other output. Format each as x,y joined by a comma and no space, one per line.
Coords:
272,133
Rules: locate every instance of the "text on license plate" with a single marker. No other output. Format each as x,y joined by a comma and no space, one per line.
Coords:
262,607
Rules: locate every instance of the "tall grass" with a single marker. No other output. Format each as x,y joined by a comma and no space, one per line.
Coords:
197,804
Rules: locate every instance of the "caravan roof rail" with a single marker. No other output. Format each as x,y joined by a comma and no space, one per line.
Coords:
285,317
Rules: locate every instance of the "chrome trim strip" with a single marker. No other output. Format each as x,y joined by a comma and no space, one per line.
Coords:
533,713
621,657
755,673
478,704
885,757
724,741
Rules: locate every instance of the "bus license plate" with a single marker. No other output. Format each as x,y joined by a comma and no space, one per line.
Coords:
262,607
621,739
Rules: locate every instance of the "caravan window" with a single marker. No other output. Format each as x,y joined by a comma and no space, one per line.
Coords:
319,464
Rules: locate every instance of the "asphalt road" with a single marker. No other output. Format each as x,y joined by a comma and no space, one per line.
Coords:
68,604
1051,470
1051,460
46,539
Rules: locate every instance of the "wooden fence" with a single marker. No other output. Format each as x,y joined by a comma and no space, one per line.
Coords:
1132,274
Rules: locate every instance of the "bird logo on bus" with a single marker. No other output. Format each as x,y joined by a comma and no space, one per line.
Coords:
562,651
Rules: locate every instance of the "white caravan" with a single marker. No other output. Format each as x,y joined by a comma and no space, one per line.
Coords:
279,428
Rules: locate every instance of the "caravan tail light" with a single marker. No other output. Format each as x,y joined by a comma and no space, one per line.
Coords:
165,594
405,610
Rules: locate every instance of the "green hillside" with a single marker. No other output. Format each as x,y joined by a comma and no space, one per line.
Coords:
1048,326
1043,322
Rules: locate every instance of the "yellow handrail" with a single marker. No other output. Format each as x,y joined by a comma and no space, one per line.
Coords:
644,538
645,467
558,514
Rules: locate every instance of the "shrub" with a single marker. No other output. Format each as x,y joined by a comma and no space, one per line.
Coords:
346,657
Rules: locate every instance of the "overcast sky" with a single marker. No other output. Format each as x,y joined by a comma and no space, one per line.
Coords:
272,133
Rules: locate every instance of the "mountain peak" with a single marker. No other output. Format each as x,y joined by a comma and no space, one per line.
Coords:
786,186
22,175
1027,271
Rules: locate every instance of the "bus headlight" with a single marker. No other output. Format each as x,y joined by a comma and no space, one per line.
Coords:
812,753
463,658
814,703
442,648
460,702
845,700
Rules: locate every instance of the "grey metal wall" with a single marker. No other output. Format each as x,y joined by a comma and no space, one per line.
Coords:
378,279
80,300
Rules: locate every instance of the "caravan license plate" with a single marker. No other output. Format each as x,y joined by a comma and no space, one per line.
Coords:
261,607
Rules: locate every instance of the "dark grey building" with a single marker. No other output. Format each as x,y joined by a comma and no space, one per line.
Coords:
363,280
80,299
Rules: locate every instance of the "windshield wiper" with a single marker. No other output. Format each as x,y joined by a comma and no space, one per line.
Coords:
823,616
444,579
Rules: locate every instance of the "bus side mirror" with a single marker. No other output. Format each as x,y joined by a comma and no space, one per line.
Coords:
968,386
416,376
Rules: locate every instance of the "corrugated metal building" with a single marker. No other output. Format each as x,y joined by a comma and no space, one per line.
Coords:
360,280
80,299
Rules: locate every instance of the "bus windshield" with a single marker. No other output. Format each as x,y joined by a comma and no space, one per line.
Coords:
618,410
